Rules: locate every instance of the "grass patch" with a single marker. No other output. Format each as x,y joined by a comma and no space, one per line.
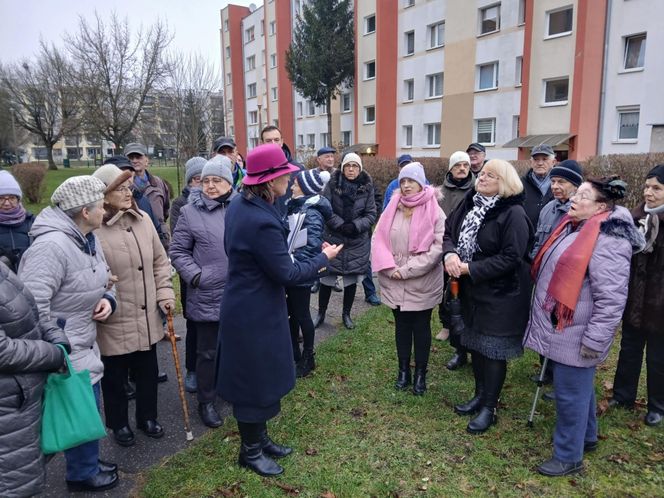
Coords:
354,435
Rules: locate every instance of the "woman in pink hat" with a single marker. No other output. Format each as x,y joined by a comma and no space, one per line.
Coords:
255,366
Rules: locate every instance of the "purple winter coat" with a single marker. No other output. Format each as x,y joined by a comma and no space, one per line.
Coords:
197,247
601,301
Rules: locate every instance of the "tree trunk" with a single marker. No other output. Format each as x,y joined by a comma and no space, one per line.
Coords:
329,119
49,155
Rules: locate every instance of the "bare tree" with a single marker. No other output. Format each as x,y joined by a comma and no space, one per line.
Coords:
41,99
12,136
115,72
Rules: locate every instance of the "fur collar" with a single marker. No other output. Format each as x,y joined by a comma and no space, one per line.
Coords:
337,179
620,226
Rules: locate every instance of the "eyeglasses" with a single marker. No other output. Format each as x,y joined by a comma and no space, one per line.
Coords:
11,199
352,166
583,197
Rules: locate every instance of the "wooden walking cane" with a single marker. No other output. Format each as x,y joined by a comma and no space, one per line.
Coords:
178,372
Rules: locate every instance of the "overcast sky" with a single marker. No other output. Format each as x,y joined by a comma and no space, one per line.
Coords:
195,23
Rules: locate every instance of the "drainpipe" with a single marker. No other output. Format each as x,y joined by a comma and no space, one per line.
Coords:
605,70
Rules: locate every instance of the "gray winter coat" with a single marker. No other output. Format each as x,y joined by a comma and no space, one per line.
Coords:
601,301
67,274
197,253
549,218
453,194
27,353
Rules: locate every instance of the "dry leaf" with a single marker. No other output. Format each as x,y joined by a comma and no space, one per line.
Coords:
287,488
328,494
311,451
656,457
602,406
608,385
620,459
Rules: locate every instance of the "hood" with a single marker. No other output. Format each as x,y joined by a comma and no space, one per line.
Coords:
620,225
53,219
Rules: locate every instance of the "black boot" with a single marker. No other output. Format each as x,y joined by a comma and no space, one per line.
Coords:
270,447
458,360
348,322
349,297
473,405
306,364
320,317
420,382
484,419
209,415
403,377
251,451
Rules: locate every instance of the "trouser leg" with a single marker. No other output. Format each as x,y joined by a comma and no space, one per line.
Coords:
421,326
324,296
403,335
116,408
349,297
301,311
190,347
206,356
144,364
655,372
83,460
628,371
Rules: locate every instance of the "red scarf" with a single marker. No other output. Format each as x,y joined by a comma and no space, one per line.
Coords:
568,275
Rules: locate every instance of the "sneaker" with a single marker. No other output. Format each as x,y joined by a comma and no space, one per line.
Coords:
373,300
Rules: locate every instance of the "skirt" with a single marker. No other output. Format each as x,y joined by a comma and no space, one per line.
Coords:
256,414
347,280
491,346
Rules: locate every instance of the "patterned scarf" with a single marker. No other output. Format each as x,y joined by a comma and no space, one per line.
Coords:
649,226
467,244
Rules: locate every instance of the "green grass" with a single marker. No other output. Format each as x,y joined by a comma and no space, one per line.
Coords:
354,435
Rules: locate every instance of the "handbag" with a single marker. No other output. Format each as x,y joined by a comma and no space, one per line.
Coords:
69,411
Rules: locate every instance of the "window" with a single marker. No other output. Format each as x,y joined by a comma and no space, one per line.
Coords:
232,130
487,76
489,19
516,120
323,110
518,71
559,22
409,90
300,140
345,102
556,91
249,35
324,142
522,13
253,117
433,134
635,51
369,70
409,40
251,62
485,131
628,123
311,108
370,24
437,35
311,140
408,3
274,93
369,114
253,142
226,25
230,104
273,60
299,109
229,78
346,138
408,136
435,85
228,52
273,28
251,90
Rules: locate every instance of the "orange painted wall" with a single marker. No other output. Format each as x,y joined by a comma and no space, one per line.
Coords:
235,15
284,35
387,25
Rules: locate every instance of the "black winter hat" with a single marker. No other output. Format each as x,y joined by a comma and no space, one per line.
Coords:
568,169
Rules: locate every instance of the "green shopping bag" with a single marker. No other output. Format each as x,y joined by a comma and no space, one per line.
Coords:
69,412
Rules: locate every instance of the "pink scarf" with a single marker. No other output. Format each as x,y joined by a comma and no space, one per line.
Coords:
422,225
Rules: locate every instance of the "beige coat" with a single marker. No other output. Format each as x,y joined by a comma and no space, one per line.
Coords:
422,284
135,255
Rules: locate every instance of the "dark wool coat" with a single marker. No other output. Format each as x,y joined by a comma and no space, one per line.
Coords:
27,353
645,300
496,296
255,366
361,211
534,201
197,248
176,207
453,194
14,240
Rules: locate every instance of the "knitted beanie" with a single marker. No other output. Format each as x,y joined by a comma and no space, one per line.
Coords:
312,181
568,169
78,191
414,171
9,185
351,157
193,167
458,157
218,166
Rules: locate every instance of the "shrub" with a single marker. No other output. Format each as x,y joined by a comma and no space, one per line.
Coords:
30,177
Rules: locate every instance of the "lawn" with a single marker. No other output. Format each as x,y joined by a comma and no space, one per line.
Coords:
354,435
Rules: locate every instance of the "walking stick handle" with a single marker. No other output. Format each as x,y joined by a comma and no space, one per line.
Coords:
178,373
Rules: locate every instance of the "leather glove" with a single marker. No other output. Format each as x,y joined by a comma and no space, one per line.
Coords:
588,353
348,229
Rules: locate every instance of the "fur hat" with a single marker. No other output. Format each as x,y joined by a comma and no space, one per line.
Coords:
414,171
78,191
9,185
112,176
312,181
193,167
458,157
218,166
351,157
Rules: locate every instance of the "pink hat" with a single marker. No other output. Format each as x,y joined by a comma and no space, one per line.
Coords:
267,162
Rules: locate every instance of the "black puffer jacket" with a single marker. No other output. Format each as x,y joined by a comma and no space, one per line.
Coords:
14,240
27,353
496,296
352,202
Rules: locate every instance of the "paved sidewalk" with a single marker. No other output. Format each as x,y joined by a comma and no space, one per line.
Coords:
148,452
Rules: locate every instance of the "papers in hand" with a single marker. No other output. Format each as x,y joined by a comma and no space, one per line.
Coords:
297,236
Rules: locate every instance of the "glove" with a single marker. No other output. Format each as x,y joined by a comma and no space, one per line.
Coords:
588,353
348,229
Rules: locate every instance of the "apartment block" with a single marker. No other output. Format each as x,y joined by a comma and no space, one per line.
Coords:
432,76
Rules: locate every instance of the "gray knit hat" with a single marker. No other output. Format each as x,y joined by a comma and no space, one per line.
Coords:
9,185
193,167
218,166
414,171
78,191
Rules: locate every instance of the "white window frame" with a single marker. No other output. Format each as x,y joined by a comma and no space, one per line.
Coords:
322,110
554,103
249,34
483,123
518,71
300,140
431,85
346,98
228,52
273,28
311,108
253,117
408,3
494,80
432,131
366,24
273,61
547,30
626,44
368,65
251,91
230,104
346,134
407,136
324,140
622,111
275,94
433,40
409,87
225,24
521,16
229,78
250,63
365,115
311,140
299,108
516,122
408,34
481,19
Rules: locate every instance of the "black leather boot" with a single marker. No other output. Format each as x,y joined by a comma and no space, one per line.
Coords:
484,419
403,377
473,405
251,451
457,361
320,318
306,364
271,448
209,415
348,322
420,382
